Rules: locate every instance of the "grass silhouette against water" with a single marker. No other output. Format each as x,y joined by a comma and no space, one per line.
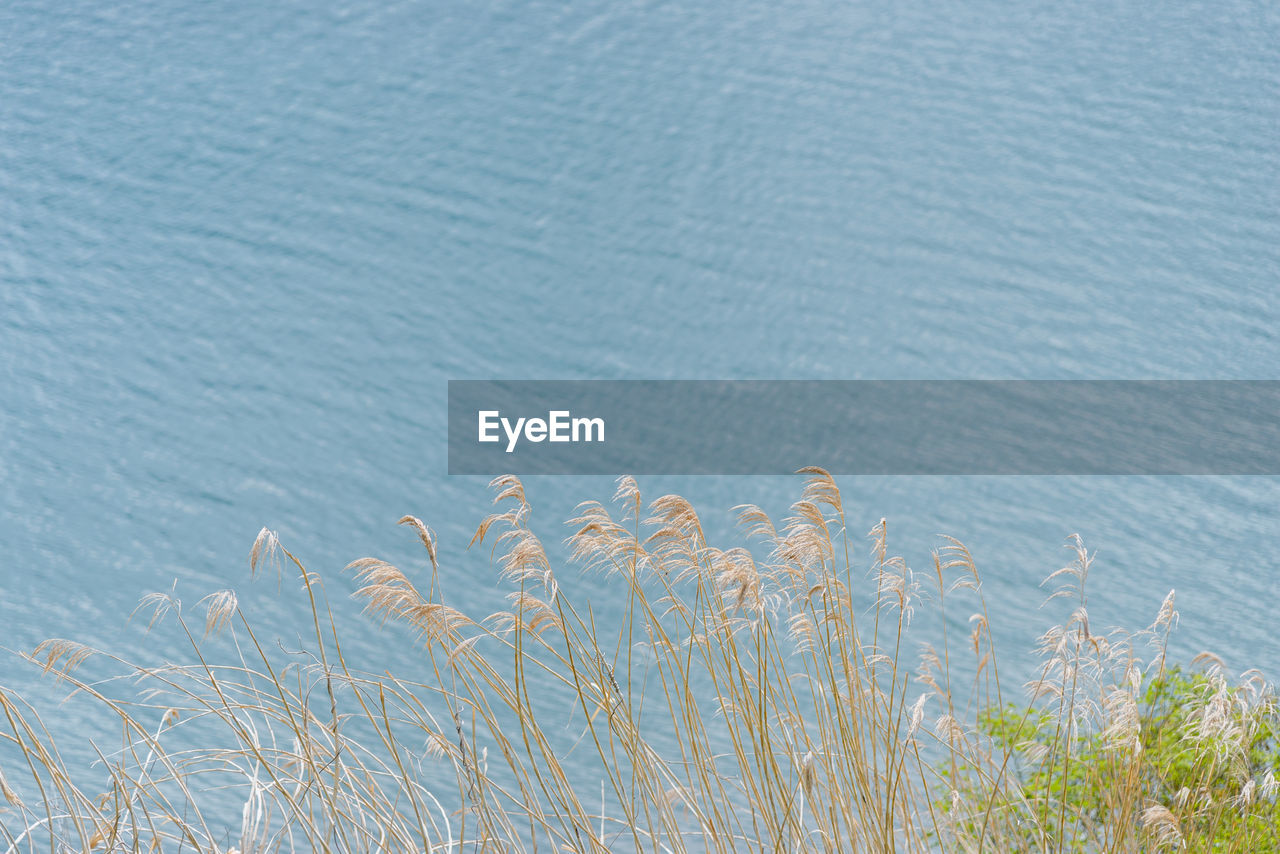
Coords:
765,697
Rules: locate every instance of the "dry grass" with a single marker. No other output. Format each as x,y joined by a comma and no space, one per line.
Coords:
740,699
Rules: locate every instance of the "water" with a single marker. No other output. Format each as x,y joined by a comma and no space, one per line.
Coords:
243,248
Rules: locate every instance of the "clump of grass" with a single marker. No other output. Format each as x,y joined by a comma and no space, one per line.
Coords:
757,697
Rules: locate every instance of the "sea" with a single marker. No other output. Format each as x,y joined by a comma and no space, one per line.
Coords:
244,246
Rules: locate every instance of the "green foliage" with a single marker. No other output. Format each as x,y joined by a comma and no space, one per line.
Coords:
1204,751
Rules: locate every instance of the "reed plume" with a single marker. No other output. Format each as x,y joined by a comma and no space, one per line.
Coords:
772,694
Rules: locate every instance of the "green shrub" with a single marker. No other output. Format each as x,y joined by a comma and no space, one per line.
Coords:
1188,762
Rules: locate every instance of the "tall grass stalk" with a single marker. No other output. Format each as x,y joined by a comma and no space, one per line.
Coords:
764,697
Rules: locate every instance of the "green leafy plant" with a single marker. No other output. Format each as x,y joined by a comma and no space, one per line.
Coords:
1184,761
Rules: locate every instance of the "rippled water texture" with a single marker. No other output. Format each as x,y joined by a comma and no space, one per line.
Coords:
243,246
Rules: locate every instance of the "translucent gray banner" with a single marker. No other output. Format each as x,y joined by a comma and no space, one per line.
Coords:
864,427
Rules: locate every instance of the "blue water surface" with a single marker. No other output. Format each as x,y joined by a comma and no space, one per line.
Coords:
243,246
